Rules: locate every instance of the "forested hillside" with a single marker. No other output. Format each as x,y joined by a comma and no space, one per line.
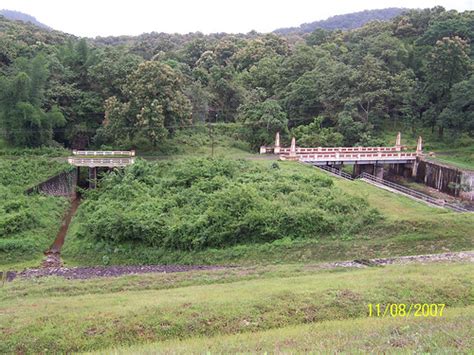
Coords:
20,16
326,87
346,21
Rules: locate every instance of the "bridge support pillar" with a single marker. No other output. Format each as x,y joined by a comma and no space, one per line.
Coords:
92,177
356,170
363,168
378,170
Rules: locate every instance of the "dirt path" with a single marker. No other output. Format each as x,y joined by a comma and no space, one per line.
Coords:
113,271
53,254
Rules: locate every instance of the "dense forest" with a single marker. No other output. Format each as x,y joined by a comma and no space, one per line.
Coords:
325,87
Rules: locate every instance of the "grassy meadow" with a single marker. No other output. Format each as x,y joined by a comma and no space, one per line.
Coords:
241,309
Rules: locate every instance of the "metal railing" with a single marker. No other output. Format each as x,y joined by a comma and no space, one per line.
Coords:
411,192
335,171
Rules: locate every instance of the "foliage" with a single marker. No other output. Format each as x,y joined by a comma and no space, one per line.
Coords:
137,90
314,135
155,103
261,121
27,222
201,203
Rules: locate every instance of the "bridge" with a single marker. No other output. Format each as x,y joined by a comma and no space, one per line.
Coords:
94,159
364,159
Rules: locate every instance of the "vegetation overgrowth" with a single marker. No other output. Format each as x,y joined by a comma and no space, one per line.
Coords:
193,204
28,223
133,219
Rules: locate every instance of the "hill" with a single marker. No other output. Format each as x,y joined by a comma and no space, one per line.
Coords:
20,16
346,21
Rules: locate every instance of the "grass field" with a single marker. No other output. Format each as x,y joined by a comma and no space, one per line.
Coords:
247,309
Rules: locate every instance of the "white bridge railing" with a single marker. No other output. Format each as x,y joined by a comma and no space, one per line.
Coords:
300,150
130,153
101,162
336,156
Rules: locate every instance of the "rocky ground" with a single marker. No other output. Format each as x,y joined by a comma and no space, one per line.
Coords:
113,271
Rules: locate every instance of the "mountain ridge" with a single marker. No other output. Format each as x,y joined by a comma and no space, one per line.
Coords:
21,16
347,21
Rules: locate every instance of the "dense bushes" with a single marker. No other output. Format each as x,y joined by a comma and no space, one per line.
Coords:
198,203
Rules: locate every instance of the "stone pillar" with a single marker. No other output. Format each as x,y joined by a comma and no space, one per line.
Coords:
398,142
293,147
277,143
92,177
419,146
356,170
378,170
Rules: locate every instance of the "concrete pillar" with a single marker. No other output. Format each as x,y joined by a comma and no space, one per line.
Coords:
293,147
378,170
419,146
92,177
277,143
356,170
398,142
415,167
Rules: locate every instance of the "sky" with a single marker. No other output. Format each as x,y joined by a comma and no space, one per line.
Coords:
91,18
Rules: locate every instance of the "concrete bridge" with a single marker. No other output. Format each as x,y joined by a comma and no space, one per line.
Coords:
364,159
94,159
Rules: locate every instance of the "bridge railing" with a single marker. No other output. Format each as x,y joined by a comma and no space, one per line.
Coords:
97,162
411,192
335,171
341,150
357,156
130,153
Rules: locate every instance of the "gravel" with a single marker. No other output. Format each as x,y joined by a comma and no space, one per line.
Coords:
83,273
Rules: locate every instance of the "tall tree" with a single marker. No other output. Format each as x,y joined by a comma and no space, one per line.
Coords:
448,64
154,104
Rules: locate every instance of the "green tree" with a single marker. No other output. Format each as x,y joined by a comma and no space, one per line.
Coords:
459,113
447,64
26,122
315,135
154,105
262,120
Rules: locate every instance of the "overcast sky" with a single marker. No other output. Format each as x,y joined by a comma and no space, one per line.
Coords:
131,17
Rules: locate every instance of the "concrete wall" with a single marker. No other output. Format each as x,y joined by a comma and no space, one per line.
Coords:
467,181
63,184
442,178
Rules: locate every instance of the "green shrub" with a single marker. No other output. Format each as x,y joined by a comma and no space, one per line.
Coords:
196,203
